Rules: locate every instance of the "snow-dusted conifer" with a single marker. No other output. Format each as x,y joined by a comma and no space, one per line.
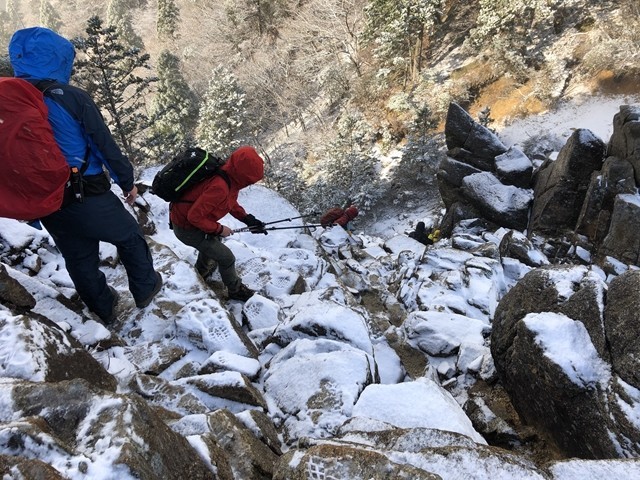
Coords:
398,30
222,112
49,17
174,110
119,16
110,71
168,19
349,169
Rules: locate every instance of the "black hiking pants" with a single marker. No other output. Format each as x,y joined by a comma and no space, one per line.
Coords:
78,229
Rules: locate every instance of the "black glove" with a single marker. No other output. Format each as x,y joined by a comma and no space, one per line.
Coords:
255,225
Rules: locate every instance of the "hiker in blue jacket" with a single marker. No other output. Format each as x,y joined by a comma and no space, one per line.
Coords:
45,59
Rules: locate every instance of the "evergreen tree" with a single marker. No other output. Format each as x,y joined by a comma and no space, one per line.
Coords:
109,71
251,17
508,29
348,171
119,14
168,19
398,30
174,110
49,17
221,122
283,173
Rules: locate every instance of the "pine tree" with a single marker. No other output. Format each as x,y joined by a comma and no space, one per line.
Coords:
168,19
174,110
348,170
119,16
109,71
398,30
221,122
508,29
49,17
255,17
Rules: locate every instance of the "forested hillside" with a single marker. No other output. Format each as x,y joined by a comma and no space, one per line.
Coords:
328,88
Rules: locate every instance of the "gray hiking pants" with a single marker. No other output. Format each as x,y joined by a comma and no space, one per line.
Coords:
211,251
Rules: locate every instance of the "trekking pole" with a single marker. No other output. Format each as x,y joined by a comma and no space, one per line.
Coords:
248,229
292,218
313,225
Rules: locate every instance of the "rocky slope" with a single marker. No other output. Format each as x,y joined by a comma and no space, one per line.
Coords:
480,356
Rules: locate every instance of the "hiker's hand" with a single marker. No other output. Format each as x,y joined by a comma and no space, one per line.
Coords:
131,196
255,225
226,231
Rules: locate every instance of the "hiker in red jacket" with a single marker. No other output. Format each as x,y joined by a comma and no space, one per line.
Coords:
339,216
196,217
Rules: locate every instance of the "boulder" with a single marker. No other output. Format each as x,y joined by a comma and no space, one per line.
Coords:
514,168
83,424
232,386
562,394
625,139
623,238
505,205
456,213
345,461
516,245
450,175
616,177
248,457
461,155
462,131
16,467
622,326
206,324
547,289
42,351
561,185
551,353
12,293
323,397
376,450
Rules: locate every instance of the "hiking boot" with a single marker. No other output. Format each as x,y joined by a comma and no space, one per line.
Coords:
112,316
156,289
242,293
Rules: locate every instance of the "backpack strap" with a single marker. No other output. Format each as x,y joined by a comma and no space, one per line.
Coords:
45,87
225,176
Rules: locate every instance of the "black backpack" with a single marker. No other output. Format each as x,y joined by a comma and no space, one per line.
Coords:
187,169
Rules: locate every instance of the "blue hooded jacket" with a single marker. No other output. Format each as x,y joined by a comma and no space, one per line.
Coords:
38,54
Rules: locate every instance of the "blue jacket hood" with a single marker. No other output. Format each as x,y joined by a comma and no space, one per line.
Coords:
38,53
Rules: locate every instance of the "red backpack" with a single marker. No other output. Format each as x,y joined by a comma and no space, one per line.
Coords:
33,170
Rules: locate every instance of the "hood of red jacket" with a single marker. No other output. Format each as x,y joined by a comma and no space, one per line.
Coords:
244,167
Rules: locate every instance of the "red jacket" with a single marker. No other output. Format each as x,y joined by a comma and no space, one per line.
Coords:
202,206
